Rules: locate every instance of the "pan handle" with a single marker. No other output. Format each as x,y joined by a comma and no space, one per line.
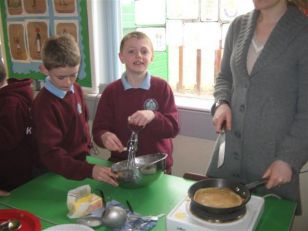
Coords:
256,183
194,176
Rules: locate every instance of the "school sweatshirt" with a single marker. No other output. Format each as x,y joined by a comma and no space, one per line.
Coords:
117,104
62,133
17,153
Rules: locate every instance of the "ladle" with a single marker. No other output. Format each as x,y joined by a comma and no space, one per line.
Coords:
113,217
10,225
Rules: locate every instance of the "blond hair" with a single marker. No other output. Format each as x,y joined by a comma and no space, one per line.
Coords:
60,51
136,35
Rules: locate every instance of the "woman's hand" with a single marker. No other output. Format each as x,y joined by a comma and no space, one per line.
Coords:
104,174
278,173
112,142
141,118
222,118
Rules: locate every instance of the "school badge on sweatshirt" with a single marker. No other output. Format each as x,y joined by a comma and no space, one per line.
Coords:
150,104
79,109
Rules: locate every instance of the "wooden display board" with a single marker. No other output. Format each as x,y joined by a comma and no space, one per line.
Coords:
27,23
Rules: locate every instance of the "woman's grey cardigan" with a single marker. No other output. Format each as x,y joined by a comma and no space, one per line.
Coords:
269,106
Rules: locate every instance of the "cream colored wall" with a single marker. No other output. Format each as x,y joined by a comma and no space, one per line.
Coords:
191,155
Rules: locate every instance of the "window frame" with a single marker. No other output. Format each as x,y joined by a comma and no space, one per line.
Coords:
106,66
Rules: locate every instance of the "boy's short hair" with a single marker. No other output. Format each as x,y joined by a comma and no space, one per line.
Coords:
137,35
60,51
2,71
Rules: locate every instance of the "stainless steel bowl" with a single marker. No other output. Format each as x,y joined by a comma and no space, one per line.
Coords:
148,169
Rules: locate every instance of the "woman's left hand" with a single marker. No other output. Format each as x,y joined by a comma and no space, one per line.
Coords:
278,173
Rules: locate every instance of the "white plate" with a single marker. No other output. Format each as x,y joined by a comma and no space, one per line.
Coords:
69,227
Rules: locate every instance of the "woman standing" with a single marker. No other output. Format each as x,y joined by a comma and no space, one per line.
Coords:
261,99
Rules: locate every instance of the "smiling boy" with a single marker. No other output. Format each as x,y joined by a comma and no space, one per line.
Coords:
140,99
61,115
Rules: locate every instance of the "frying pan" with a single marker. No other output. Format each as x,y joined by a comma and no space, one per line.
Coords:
241,189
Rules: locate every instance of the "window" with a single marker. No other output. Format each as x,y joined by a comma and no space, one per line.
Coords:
188,40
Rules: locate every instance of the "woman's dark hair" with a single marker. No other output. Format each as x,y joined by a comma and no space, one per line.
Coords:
300,4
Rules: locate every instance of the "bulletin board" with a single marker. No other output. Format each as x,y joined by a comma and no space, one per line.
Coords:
27,23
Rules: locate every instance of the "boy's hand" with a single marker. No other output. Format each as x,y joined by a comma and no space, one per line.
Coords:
112,142
4,193
141,118
104,174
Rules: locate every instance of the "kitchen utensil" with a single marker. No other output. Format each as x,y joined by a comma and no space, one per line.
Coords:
129,207
102,196
11,224
27,220
146,218
90,221
240,189
114,217
147,169
132,146
135,128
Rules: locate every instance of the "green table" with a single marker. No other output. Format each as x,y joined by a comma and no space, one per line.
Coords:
45,197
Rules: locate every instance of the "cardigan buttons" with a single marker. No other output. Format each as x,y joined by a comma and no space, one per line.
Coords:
236,175
237,134
236,156
242,108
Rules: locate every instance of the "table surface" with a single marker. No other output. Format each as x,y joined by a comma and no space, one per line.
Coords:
46,195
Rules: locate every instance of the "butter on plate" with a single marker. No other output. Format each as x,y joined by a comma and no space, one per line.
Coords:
81,202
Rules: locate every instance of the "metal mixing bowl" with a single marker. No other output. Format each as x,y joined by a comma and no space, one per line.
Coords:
148,169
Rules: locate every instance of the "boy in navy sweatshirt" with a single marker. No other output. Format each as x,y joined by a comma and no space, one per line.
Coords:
61,115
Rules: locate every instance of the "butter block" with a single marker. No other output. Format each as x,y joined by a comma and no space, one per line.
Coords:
82,204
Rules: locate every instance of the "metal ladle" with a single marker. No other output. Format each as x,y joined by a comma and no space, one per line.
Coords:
113,217
10,225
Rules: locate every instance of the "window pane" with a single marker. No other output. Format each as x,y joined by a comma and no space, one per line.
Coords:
157,36
202,35
174,32
189,44
183,9
230,9
149,12
127,14
209,10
